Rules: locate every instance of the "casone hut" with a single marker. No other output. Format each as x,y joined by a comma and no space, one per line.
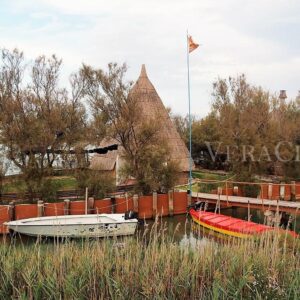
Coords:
151,105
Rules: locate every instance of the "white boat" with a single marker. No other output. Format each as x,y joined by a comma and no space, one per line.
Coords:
102,225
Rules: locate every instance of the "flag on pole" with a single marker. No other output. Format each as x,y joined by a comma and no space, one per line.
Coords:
192,45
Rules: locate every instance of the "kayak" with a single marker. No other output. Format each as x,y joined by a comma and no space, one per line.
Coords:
228,225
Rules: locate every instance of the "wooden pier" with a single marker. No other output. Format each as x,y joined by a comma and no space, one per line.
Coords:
257,203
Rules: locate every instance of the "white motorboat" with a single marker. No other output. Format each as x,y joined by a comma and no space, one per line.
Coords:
102,225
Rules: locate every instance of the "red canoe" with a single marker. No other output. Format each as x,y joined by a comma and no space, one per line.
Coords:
229,225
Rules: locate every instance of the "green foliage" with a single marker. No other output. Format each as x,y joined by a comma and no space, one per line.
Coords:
49,188
99,183
38,117
251,190
245,125
156,173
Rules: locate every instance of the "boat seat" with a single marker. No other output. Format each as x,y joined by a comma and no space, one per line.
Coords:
228,223
217,220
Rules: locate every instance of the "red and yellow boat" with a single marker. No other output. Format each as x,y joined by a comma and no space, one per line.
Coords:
228,225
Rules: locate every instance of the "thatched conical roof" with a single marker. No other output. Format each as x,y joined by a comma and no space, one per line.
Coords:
152,107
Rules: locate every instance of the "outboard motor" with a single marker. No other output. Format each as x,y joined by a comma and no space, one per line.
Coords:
200,205
130,215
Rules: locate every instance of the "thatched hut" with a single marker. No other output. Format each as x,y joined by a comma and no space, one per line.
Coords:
151,106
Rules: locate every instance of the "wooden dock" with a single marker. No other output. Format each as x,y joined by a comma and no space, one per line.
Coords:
237,201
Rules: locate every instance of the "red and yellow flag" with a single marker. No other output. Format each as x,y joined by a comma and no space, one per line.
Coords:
192,45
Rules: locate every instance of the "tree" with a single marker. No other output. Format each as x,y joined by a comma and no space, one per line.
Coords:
205,133
37,117
144,151
251,124
182,126
99,184
236,105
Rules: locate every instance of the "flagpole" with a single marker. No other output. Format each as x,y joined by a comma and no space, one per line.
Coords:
190,123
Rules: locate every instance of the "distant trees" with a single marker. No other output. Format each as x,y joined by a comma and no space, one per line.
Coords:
37,116
252,128
256,131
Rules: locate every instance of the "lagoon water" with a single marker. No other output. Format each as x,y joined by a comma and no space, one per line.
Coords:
182,230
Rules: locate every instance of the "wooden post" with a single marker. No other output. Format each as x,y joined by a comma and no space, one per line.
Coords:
86,201
277,218
66,207
154,204
270,190
40,208
135,203
262,199
248,211
113,205
217,204
189,197
227,194
293,190
91,202
11,211
171,203
282,191
235,190
219,191
126,197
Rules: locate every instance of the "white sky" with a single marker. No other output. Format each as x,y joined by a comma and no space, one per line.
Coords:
258,38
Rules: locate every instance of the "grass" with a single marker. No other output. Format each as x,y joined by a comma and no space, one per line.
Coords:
209,175
15,185
66,182
152,268
206,187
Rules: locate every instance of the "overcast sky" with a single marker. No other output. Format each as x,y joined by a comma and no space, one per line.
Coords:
258,38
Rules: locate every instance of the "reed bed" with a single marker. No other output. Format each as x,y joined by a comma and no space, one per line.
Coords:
151,266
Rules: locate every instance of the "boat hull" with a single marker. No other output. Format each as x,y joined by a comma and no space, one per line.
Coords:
75,226
223,231
227,225
232,226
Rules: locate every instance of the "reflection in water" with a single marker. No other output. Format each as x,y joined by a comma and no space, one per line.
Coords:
181,229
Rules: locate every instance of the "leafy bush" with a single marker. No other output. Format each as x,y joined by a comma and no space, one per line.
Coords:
99,183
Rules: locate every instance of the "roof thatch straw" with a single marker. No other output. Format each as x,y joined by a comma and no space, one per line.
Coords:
151,107
105,162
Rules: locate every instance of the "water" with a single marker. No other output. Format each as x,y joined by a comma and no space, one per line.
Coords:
183,231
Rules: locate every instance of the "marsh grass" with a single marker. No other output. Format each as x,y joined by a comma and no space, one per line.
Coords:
151,266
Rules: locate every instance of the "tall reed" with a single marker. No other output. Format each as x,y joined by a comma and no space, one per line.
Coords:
152,267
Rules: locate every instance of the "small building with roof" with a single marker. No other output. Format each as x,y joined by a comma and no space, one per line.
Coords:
151,106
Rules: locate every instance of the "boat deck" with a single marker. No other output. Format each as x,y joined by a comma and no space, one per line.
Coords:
72,220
